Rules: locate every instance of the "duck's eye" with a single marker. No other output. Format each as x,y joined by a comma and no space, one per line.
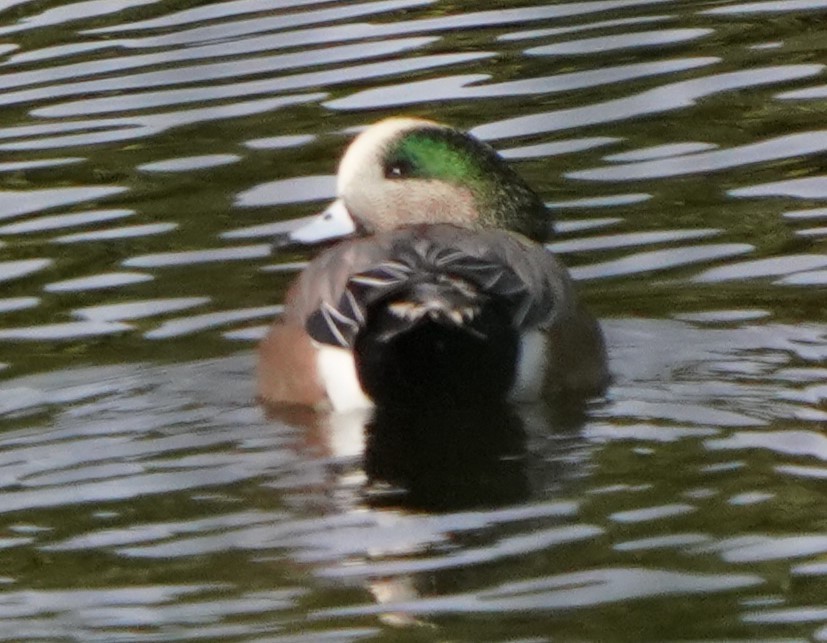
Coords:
398,169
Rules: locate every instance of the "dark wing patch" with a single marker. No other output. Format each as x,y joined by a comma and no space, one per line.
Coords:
415,263
496,280
339,325
329,325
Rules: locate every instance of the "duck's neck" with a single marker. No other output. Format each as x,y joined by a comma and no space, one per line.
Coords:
507,202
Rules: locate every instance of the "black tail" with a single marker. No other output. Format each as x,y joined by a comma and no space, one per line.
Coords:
431,325
438,341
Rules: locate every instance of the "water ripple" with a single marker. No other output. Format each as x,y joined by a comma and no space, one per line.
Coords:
16,269
16,203
72,12
185,164
782,147
601,24
777,6
125,232
97,282
654,101
659,260
611,242
814,187
167,259
63,331
652,513
17,303
568,591
603,44
557,147
294,190
57,221
99,131
800,443
138,309
467,87
236,28
197,323
521,545
143,99
769,267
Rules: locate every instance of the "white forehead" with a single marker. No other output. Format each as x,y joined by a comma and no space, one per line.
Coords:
364,153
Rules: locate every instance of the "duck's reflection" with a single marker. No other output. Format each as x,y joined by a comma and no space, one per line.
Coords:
401,463
442,459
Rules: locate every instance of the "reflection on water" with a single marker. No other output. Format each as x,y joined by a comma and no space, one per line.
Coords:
152,152
446,460
685,481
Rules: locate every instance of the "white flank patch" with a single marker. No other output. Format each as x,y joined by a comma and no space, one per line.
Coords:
345,432
531,367
338,371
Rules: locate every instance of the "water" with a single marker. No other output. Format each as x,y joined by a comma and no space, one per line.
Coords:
150,150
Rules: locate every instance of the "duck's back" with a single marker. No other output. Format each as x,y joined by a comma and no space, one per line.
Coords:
446,315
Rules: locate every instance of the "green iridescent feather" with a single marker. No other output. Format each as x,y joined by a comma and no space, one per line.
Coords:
503,199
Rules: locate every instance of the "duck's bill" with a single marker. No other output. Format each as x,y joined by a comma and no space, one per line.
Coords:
334,223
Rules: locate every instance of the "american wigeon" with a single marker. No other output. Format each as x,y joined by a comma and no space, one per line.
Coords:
445,298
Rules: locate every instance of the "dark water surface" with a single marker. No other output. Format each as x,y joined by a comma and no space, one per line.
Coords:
149,150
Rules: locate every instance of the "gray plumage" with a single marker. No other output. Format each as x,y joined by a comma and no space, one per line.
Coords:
490,263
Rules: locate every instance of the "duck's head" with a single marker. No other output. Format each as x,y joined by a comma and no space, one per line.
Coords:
404,171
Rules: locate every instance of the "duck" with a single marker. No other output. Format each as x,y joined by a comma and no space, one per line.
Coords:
437,290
